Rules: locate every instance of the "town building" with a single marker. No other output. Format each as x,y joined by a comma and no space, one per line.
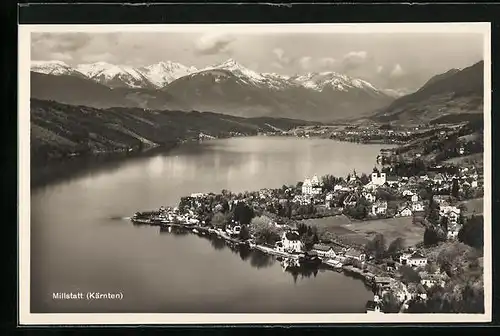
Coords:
408,192
414,259
369,196
291,242
404,211
392,181
417,206
379,208
312,186
353,253
373,307
378,178
324,251
431,280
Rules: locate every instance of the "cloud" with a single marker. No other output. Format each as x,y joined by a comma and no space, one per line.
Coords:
277,65
327,62
279,53
282,60
380,69
60,42
104,57
353,60
212,44
57,56
305,62
397,71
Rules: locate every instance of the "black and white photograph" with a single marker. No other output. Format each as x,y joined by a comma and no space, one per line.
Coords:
257,173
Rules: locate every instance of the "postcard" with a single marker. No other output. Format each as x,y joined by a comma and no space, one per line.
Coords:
254,173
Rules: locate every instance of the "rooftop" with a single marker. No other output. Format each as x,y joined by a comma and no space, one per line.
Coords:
321,247
417,255
291,235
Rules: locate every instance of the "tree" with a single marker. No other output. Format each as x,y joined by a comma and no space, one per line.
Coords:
225,206
472,232
433,216
377,246
409,275
432,236
264,231
244,233
444,223
243,213
219,220
364,179
454,188
396,246
390,303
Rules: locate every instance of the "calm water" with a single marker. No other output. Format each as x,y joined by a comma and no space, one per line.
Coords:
81,241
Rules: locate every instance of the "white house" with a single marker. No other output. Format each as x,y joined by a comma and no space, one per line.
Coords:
353,253
415,198
407,192
329,197
431,280
414,259
325,251
291,242
379,208
405,211
417,206
378,178
438,179
198,195
311,186
369,196
452,212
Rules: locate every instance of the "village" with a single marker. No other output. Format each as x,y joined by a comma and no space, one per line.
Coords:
382,228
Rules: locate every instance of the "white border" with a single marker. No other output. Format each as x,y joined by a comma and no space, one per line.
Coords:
26,318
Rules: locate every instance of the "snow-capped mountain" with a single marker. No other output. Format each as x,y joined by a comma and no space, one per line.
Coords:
231,88
56,68
115,75
163,73
332,80
271,81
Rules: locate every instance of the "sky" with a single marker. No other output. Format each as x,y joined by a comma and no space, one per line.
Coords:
387,60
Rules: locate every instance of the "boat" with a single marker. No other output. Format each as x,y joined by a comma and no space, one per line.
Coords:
141,221
195,231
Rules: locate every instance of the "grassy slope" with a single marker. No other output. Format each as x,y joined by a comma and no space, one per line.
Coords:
447,94
59,129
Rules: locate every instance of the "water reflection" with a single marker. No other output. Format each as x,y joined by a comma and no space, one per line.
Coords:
217,243
68,218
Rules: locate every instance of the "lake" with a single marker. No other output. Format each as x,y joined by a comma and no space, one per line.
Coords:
81,239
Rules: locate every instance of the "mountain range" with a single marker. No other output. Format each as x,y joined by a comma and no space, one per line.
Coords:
227,87
230,88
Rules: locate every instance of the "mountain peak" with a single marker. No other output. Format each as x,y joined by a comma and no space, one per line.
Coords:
53,68
229,62
52,62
